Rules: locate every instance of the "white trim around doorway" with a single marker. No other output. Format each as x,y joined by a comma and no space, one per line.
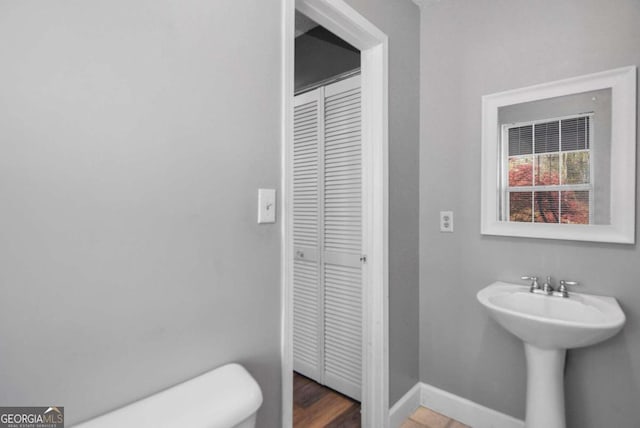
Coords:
344,21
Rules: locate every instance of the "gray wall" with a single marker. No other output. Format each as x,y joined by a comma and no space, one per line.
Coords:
130,258
399,19
317,59
472,48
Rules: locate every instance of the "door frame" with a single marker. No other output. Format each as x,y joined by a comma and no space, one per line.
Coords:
345,22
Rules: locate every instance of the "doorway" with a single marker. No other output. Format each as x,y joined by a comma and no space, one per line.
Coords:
345,22
327,210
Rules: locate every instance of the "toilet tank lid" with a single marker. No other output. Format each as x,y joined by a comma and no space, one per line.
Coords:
220,398
235,395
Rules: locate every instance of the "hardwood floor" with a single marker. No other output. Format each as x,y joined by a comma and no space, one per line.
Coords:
427,418
316,406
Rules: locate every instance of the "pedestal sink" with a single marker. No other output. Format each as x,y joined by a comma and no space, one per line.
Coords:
548,326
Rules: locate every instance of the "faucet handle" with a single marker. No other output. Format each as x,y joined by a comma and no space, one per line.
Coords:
562,290
534,282
563,285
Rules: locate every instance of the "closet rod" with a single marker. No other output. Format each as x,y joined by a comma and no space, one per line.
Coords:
328,81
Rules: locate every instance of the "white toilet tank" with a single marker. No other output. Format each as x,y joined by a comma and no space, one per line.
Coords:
227,397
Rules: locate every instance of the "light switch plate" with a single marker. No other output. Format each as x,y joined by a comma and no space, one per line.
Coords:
266,206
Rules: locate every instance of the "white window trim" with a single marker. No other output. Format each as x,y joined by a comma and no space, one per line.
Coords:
622,82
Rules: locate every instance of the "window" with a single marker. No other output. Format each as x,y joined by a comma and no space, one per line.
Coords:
547,172
595,155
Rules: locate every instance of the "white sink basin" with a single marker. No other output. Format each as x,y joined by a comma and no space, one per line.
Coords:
548,326
551,322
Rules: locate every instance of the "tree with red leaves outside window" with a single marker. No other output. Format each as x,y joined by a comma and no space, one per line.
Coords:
568,207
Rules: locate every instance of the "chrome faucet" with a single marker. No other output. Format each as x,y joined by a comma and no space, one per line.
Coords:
547,288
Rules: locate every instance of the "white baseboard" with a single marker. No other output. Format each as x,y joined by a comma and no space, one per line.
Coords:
453,406
405,406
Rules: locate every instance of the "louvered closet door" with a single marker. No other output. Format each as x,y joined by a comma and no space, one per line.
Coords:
327,236
307,196
342,237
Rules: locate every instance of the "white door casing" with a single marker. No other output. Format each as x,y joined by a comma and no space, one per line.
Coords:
348,24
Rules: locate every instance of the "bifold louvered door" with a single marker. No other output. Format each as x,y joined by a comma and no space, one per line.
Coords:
308,140
342,237
327,235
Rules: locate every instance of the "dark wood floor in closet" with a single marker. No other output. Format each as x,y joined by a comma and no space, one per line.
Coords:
316,406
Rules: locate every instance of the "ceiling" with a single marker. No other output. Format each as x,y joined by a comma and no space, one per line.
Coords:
303,24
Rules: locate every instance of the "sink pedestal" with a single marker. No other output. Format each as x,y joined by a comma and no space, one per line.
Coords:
545,387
